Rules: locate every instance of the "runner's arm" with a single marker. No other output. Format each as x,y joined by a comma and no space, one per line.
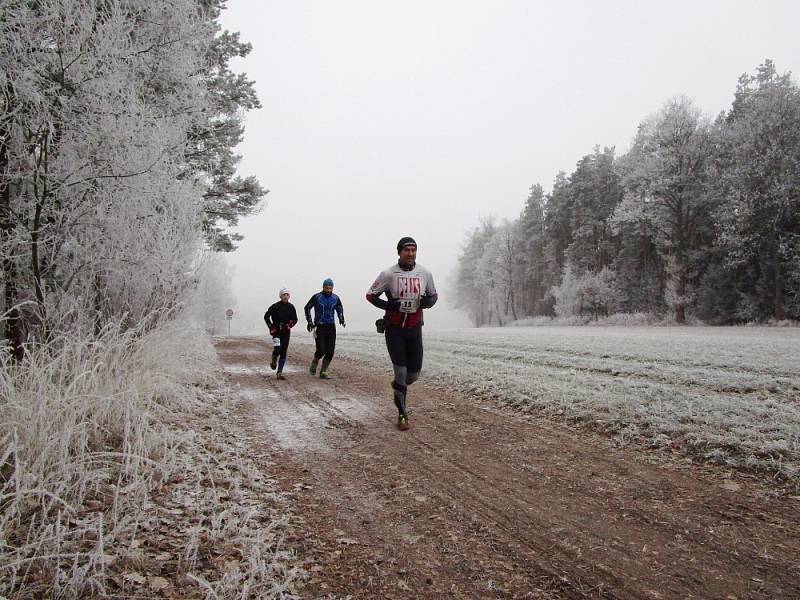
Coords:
380,286
428,300
389,304
339,310
307,307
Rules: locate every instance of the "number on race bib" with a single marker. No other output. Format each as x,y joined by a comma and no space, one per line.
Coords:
409,306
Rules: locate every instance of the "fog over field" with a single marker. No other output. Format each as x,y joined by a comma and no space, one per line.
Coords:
381,120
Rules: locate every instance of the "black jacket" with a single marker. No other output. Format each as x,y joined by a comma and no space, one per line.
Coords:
281,316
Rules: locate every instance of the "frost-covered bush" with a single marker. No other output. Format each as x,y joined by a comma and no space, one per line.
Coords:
566,294
592,295
84,436
616,319
532,322
783,323
627,319
95,434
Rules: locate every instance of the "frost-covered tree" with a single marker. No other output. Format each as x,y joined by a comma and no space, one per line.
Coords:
639,267
576,222
666,172
566,294
470,291
214,134
532,232
695,217
102,197
500,271
557,230
595,190
758,179
91,160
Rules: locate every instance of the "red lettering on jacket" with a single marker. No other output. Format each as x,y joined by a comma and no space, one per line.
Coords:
408,287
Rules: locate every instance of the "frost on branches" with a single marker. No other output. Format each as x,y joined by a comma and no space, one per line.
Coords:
116,163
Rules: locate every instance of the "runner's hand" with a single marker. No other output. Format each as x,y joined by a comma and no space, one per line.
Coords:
341,322
310,327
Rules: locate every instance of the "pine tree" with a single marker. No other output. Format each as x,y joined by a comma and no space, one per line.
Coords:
758,180
596,191
532,233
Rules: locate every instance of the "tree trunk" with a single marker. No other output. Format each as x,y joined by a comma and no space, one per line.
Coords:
40,193
777,310
680,265
511,302
680,306
12,325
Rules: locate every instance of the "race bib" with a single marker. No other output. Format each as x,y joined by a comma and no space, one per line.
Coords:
276,341
408,291
410,305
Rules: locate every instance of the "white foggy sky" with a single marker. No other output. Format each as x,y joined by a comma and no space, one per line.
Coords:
419,118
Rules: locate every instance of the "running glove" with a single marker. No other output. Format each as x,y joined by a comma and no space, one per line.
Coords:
427,301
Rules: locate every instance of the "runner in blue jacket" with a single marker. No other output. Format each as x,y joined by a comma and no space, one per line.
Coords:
327,306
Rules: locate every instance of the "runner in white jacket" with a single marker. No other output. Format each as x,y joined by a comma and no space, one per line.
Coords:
409,289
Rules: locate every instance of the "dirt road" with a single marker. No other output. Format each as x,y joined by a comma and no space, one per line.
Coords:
478,501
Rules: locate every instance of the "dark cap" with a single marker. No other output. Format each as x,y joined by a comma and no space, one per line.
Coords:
405,241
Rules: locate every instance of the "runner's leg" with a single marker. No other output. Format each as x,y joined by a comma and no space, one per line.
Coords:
400,386
318,352
284,347
319,341
414,354
330,346
396,345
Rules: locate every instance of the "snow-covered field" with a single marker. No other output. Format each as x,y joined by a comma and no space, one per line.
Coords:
731,395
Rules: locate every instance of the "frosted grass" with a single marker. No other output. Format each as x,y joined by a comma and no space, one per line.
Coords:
730,395
90,430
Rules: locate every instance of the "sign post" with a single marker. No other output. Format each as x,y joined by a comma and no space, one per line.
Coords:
229,316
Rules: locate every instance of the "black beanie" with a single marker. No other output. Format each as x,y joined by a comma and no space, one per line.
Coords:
405,241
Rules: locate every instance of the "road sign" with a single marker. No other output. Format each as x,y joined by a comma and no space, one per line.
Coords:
229,316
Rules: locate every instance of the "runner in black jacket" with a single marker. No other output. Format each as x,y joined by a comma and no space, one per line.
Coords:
280,318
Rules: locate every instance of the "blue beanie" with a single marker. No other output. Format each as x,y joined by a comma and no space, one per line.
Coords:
328,281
